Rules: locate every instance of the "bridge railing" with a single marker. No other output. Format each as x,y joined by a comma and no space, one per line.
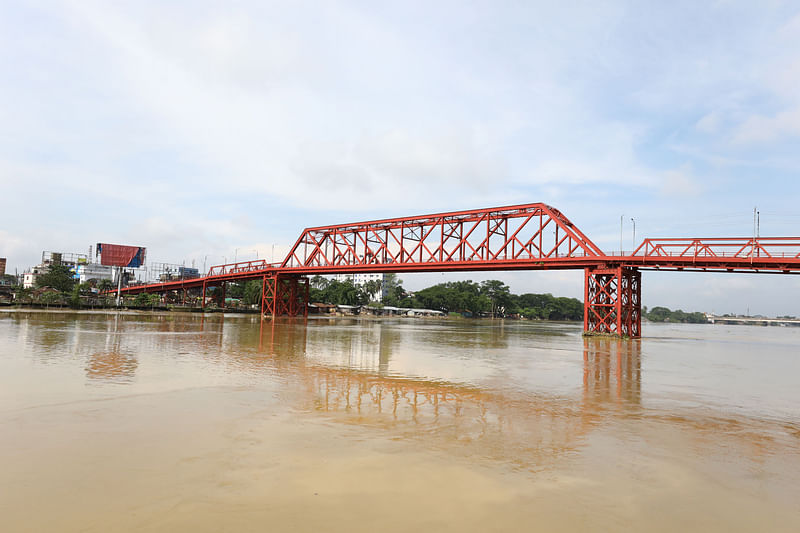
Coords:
721,247
240,267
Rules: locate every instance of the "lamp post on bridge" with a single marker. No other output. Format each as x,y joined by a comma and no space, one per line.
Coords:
633,239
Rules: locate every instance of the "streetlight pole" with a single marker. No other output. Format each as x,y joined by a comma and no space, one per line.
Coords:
235,253
272,258
633,240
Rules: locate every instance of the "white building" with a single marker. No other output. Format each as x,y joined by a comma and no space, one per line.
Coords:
74,261
95,271
360,279
29,278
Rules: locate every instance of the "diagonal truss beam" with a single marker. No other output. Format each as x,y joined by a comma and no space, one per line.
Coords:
521,236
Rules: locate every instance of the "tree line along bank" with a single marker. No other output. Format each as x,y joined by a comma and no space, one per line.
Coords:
490,298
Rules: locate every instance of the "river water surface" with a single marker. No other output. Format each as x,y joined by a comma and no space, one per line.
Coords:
178,422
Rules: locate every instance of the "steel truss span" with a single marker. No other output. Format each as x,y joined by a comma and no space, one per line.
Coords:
516,237
520,237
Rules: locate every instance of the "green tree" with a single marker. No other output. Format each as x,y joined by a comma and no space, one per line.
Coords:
105,285
499,295
372,289
51,298
394,295
663,314
235,290
146,300
338,293
75,298
390,280
59,277
659,314
345,293
252,292
319,282
85,288
453,296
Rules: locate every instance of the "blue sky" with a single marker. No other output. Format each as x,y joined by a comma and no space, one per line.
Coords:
199,128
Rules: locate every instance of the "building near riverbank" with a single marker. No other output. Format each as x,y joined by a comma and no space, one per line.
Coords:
95,271
361,279
71,260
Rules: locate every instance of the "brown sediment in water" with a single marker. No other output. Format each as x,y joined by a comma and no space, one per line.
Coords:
197,424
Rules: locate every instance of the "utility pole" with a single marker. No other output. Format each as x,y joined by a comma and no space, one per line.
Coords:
753,245
758,230
119,283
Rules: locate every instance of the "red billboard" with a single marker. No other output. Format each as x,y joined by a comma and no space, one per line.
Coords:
120,255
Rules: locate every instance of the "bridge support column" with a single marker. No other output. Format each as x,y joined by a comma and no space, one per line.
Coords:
613,301
284,295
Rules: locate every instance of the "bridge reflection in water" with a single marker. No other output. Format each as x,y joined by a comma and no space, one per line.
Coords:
465,387
525,427
250,413
113,362
612,370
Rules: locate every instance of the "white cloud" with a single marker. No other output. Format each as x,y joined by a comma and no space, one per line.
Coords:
710,123
766,129
163,124
680,183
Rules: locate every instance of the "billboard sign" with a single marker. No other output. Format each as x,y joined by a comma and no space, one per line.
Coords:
121,256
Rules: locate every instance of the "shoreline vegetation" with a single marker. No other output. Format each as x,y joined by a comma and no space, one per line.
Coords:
488,299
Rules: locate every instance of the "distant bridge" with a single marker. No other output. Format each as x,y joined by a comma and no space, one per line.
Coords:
521,237
753,321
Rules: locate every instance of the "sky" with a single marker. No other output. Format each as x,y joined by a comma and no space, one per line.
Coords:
207,131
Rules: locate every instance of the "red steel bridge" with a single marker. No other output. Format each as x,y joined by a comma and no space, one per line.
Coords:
520,237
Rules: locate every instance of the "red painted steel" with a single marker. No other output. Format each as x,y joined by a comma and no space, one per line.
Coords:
737,254
503,238
613,301
242,267
520,237
284,295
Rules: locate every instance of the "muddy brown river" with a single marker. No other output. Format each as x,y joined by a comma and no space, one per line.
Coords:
183,422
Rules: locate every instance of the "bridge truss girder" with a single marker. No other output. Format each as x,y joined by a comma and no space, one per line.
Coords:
530,235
